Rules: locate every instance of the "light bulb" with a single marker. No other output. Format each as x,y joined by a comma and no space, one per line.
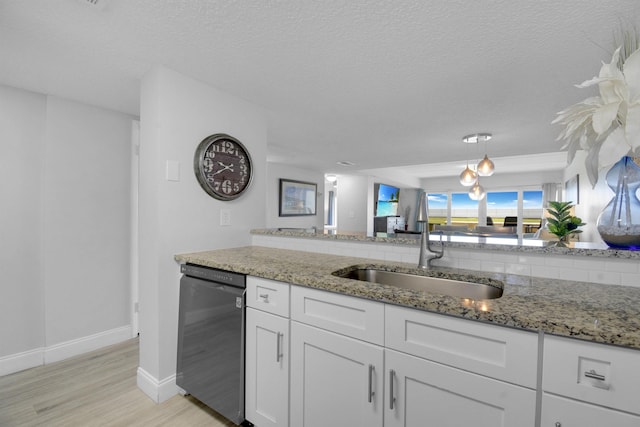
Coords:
468,177
477,192
486,167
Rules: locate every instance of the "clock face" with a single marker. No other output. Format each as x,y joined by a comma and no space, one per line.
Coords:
223,166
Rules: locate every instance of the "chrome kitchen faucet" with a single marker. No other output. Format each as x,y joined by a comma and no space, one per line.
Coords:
426,252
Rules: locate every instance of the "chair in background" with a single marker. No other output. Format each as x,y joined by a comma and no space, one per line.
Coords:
510,221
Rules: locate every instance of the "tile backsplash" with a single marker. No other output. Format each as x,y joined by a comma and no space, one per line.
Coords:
607,271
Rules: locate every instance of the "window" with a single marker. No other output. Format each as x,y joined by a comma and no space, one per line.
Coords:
499,205
502,204
464,211
532,212
438,208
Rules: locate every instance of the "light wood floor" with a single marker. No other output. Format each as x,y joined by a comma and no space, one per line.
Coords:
94,389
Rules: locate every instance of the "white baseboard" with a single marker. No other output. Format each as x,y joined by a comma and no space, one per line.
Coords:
82,345
45,355
21,361
158,391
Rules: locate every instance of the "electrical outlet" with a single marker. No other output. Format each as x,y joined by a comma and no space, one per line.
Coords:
225,217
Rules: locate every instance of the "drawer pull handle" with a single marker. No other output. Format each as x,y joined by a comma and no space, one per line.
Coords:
371,392
558,424
265,297
392,398
278,346
593,374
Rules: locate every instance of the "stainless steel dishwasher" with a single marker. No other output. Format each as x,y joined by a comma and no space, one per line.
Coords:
211,329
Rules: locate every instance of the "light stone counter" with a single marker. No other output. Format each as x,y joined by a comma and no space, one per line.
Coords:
600,313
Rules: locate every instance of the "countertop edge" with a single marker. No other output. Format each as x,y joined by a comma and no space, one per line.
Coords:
587,319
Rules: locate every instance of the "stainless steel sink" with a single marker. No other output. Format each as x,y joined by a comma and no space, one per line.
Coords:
436,285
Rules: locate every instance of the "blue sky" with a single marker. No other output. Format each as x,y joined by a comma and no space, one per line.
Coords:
385,192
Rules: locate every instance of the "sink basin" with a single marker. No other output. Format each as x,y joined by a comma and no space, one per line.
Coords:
436,285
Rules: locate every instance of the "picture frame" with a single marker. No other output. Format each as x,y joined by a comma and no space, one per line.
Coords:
572,190
297,198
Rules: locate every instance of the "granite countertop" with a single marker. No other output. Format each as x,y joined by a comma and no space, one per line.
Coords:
471,241
600,313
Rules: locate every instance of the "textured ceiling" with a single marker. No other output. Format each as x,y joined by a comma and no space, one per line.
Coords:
378,83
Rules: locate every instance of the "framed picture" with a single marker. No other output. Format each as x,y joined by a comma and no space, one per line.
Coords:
572,190
297,198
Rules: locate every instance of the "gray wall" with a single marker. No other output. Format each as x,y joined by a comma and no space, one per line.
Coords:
65,169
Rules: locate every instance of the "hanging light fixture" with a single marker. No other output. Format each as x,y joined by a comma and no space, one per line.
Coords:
468,177
477,192
485,166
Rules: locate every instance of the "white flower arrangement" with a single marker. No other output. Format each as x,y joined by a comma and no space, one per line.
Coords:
607,126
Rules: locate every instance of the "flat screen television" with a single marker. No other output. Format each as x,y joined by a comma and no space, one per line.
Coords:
386,199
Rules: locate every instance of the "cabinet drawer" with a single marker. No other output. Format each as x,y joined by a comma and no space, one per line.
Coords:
351,316
592,372
493,351
268,295
563,412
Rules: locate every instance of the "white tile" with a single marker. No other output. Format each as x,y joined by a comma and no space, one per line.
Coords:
589,263
520,269
628,279
605,277
492,266
628,266
561,262
531,259
545,271
575,274
469,264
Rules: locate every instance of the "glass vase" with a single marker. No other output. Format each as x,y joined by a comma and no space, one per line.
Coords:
619,222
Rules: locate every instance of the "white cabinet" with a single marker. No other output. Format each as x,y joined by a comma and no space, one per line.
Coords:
588,384
335,380
456,372
422,393
336,363
267,353
559,411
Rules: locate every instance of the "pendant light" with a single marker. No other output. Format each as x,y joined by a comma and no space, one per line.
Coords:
468,177
486,166
477,192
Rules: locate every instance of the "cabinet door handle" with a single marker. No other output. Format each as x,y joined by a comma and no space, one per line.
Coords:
558,424
265,297
278,346
392,398
593,374
371,391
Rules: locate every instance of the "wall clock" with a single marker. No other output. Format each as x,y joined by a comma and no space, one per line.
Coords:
223,166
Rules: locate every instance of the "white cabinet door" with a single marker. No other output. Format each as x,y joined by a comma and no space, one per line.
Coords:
335,380
562,412
421,393
267,369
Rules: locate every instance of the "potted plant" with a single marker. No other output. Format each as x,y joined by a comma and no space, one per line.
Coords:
561,222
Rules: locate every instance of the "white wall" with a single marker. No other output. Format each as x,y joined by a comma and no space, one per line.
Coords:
65,228
177,113
22,128
275,171
353,203
592,199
